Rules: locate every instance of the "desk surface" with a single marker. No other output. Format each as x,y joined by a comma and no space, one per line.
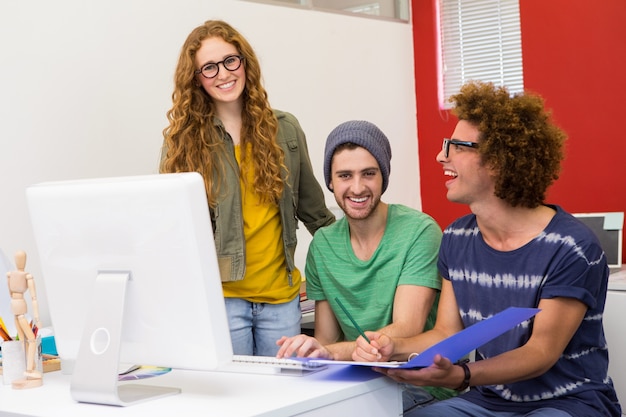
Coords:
338,389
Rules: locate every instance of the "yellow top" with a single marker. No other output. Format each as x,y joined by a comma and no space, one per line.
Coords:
266,279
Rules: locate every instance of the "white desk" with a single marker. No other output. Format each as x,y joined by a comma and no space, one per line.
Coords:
336,391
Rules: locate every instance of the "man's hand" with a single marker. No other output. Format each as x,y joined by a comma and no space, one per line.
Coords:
442,373
302,346
380,348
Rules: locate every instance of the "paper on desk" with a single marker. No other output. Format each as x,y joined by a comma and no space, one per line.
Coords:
141,372
457,345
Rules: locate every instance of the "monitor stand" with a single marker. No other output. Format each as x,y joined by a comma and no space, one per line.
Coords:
95,376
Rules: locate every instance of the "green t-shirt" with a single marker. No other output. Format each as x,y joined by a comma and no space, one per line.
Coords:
406,255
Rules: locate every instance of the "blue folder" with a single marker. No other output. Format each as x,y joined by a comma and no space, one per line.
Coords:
472,337
459,344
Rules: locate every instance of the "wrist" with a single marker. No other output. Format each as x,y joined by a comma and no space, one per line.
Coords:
467,375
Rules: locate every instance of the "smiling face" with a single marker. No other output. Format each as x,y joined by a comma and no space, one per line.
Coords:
227,86
470,180
356,182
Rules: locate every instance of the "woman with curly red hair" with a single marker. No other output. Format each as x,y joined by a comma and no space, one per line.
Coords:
258,178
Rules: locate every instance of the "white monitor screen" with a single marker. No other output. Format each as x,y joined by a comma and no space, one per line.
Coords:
130,268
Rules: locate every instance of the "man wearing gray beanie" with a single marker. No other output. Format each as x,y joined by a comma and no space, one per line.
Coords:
379,261
364,134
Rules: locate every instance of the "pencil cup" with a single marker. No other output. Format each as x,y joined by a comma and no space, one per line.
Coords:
38,353
13,361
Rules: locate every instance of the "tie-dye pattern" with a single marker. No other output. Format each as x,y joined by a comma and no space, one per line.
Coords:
565,260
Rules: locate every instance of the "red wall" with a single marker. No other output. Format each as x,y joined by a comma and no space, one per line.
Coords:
574,55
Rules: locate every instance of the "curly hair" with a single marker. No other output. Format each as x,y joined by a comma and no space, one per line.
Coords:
192,142
517,139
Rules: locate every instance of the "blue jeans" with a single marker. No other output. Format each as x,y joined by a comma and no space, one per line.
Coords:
414,397
255,327
458,407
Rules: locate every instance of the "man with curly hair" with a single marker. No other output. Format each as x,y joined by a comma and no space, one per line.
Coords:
512,250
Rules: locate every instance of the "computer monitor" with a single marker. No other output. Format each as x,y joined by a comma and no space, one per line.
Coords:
607,226
131,275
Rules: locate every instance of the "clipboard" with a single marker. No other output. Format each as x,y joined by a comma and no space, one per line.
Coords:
457,345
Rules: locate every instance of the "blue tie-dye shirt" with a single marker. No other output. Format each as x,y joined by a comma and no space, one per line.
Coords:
565,260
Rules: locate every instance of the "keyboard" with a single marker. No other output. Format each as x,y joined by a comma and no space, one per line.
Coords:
270,365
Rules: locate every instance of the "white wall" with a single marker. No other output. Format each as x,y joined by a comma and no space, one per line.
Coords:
84,87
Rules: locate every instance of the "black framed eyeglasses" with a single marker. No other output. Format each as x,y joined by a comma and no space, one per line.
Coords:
210,70
447,142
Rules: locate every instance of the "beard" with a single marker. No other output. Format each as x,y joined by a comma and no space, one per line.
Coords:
359,213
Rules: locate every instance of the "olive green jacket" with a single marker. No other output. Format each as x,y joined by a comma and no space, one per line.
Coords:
302,200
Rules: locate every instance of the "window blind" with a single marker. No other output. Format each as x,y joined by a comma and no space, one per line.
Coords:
480,40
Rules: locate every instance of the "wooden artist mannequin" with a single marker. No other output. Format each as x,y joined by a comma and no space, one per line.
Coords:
19,283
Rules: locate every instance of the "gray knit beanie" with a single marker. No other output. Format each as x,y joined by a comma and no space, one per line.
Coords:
364,134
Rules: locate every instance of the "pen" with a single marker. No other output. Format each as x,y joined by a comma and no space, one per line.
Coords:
356,326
